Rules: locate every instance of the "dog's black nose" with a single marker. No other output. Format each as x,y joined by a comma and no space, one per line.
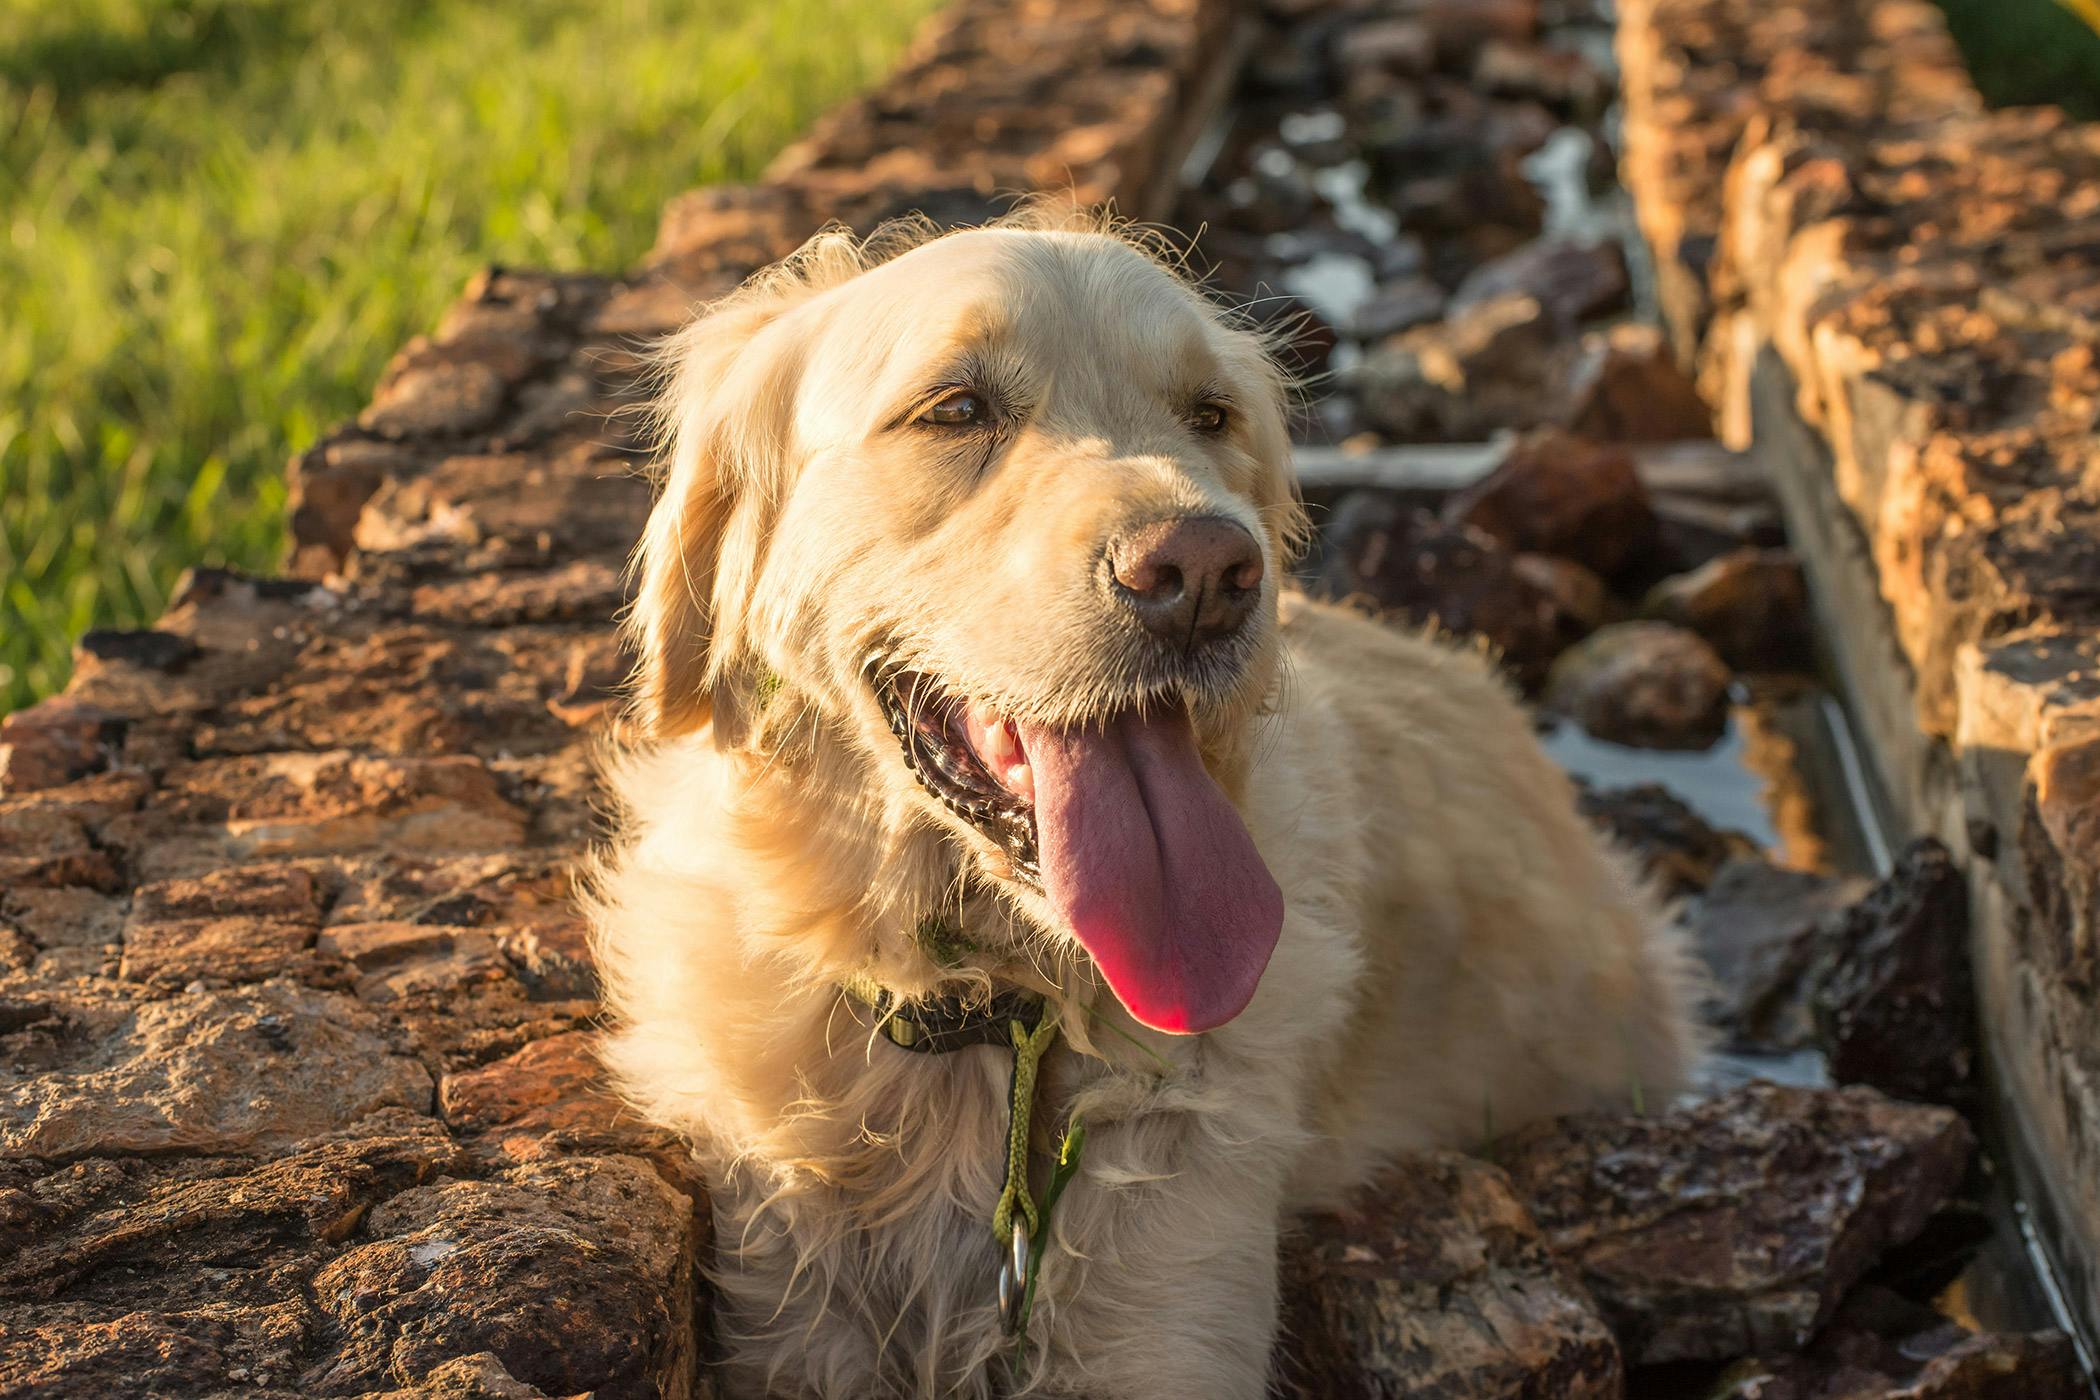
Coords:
1192,579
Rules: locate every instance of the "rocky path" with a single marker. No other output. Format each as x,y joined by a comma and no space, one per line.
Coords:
296,1095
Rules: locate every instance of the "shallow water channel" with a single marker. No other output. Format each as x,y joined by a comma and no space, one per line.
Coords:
1372,187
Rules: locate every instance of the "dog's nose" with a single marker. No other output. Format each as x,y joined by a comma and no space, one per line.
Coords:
1192,579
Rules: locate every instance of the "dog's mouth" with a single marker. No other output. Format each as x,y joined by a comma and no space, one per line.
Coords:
970,758
1121,829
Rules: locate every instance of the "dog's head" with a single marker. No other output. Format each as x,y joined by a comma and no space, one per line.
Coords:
1008,510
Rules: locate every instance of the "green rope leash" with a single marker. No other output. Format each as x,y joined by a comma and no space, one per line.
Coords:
1029,1048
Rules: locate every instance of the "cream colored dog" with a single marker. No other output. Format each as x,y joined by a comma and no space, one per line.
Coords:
969,670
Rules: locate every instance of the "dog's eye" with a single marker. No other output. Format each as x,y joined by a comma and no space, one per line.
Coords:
958,409
1208,418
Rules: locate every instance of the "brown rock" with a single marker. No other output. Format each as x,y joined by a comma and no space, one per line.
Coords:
151,1221
1466,377
1561,78
1737,1225
1760,933
436,399
1883,1347
1645,684
1396,307
1559,494
83,1353
1403,46
1897,1007
1437,1283
478,1377
556,1084
1576,591
1751,604
577,1274
209,813
53,742
398,961
247,1070
1676,847
1571,280
241,924
1625,386
1451,577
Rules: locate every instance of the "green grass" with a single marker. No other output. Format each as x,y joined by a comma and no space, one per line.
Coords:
218,218
2031,51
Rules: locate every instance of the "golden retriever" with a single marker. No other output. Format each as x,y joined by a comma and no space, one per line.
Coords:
968,668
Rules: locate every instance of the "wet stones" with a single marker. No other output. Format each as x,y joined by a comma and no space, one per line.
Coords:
1570,280
1751,604
1677,848
1896,1007
1427,572
1462,377
1558,494
1436,1282
1643,684
1882,1345
1736,1226
1625,386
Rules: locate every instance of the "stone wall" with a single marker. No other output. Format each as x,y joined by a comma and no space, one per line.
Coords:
1894,297
295,1090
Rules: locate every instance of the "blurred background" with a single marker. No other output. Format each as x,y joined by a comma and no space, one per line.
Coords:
218,218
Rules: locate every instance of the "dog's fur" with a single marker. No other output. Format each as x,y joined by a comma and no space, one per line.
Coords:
1458,955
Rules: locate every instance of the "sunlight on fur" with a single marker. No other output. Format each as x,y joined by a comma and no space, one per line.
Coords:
960,609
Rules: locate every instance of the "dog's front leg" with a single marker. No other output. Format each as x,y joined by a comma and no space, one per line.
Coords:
1163,1282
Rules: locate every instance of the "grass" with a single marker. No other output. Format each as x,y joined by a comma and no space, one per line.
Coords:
218,218
2031,51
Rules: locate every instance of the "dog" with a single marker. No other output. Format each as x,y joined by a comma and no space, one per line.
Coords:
975,715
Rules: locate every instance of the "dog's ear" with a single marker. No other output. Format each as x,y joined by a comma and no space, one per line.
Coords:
724,411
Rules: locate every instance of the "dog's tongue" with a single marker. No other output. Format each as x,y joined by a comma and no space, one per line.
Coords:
1153,869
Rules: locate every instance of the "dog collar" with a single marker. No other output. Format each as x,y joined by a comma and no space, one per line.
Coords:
1020,1022
938,1025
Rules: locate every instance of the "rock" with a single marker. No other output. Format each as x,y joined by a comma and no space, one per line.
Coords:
1396,307
1559,494
1897,1006
1751,604
1644,684
445,398
242,924
1563,79
145,647
478,1377
1676,847
1735,1226
1883,1347
1625,386
1576,591
398,961
1437,1283
1451,577
575,1273
1759,932
54,742
556,1084
1571,280
1460,26
1402,46
153,1222
1466,377
247,1070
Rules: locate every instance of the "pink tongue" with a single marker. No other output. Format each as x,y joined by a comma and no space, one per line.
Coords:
1153,869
